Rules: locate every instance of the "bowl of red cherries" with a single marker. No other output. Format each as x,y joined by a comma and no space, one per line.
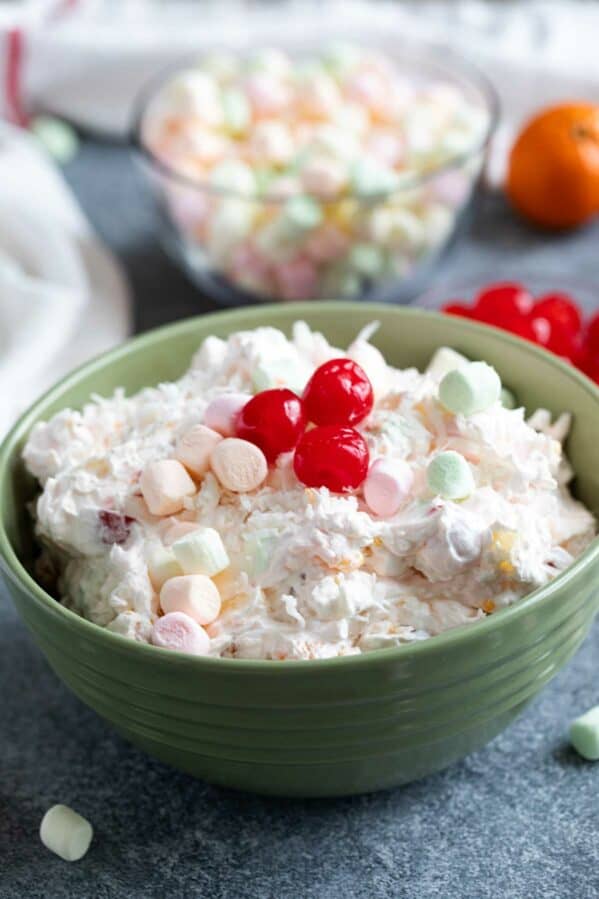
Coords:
559,319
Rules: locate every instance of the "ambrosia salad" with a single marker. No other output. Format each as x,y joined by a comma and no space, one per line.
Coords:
288,500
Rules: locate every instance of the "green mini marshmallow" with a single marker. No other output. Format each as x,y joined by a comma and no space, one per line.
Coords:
370,180
584,735
449,475
470,389
201,552
57,137
367,259
236,111
508,399
302,214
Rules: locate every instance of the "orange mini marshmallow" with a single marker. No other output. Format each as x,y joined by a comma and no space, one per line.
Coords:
239,465
194,447
164,486
193,594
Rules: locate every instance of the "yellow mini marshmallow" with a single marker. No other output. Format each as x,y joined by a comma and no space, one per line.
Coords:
162,565
164,486
193,594
194,447
239,465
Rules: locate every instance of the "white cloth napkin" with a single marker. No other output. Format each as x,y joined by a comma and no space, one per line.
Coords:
62,296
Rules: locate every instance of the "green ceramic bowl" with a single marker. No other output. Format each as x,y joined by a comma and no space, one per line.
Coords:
337,726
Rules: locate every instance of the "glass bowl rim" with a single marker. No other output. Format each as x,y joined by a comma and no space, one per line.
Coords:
452,63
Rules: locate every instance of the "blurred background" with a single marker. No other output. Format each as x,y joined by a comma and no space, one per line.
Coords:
94,246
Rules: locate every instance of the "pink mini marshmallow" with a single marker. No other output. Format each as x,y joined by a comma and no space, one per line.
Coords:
165,485
221,413
297,279
194,447
370,88
324,177
386,147
267,95
326,244
451,188
387,486
194,595
190,211
250,270
179,632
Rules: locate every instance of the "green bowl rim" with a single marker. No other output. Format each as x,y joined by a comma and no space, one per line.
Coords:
13,568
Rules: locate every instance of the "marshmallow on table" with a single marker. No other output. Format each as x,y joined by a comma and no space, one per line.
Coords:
239,465
470,389
162,565
201,551
194,447
193,594
165,485
449,475
221,412
387,486
66,833
584,735
180,632
443,361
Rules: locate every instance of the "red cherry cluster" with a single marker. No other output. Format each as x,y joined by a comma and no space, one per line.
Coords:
553,321
332,454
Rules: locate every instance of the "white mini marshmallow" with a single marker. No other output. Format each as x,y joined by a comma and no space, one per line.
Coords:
373,362
239,465
221,413
194,595
164,486
194,93
178,631
201,551
66,833
443,361
234,176
272,142
194,447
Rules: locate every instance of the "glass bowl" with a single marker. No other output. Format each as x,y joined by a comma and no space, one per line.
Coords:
371,261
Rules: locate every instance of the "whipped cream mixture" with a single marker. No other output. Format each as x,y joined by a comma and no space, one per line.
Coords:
312,574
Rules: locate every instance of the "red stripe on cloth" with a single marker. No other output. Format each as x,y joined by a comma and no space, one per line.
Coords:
13,77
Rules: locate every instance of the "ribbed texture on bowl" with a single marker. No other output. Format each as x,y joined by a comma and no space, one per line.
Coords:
326,727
